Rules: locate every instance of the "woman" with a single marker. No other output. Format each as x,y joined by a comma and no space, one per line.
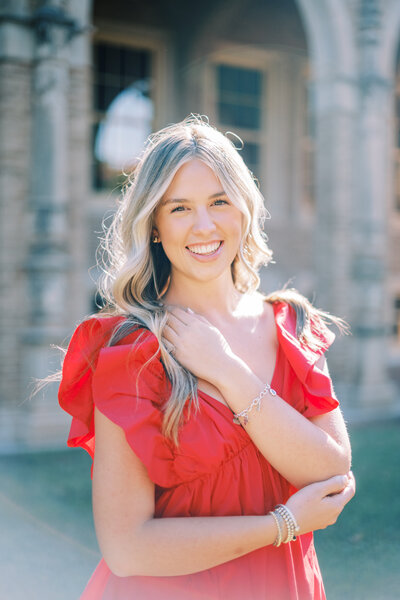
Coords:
212,404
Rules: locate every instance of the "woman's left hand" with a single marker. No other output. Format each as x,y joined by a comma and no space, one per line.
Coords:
196,343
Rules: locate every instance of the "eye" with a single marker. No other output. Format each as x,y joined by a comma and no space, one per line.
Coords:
221,202
178,209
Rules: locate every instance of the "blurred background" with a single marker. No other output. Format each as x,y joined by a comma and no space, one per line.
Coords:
313,89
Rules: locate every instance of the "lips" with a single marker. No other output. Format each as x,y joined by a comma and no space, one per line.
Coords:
204,249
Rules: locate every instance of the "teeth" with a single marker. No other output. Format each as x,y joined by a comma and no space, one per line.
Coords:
204,248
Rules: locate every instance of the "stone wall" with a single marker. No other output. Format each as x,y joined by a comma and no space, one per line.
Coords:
48,209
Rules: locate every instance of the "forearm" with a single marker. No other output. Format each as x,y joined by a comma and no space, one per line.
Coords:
301,451
180,546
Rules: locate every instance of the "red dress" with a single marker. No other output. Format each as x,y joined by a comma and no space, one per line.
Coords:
216,470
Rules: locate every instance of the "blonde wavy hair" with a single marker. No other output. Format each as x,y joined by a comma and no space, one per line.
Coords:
137,271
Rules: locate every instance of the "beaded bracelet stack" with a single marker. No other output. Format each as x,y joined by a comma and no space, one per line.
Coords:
281,513
242,418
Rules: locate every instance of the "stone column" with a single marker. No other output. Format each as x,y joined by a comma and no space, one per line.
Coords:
333,96
370,220
81,198
48,261
15,86
335,109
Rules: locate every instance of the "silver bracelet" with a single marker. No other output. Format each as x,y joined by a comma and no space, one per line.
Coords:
242,418
278,539
291,524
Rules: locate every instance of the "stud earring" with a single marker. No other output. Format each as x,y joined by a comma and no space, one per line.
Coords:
155,239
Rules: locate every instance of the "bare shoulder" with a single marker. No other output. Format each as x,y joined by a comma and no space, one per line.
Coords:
260,308
263,306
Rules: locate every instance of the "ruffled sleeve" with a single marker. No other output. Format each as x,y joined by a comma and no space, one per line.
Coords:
303,384
127,383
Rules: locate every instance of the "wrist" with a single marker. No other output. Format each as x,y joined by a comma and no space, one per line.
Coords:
234,374
229,366
242,417
237,383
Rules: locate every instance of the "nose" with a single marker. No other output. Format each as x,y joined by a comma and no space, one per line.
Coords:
203,222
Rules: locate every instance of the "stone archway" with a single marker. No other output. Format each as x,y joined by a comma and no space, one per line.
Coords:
335,93
334,87
330,37
353,115
390,38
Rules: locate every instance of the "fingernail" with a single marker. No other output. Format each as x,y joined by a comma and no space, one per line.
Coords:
189,310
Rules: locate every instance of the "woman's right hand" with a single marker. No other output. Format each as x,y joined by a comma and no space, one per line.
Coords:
319,504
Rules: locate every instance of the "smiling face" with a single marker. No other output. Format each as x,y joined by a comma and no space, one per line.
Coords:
199,227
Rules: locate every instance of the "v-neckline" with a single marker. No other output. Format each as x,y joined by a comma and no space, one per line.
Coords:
224,406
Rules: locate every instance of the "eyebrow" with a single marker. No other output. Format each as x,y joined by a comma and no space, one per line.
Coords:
176,200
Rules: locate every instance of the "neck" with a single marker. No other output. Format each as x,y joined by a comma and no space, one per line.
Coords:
218,298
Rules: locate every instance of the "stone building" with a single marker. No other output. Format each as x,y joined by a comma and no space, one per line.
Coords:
313,89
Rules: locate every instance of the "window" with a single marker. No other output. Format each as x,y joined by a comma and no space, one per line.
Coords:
239,93
122,109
